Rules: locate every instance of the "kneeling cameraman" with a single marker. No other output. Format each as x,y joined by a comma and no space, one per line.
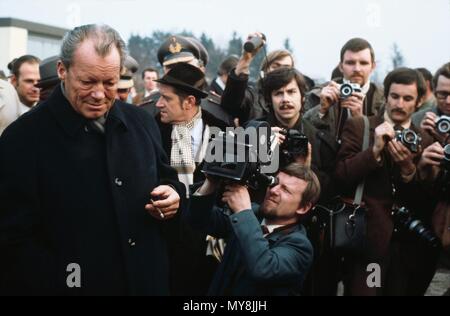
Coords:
267,250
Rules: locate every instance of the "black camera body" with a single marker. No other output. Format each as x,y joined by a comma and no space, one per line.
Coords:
404,221
347,89
240,161
409,139
295,145
443,124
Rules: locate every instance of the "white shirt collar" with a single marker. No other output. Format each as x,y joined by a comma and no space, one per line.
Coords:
270,228
406,125
220,83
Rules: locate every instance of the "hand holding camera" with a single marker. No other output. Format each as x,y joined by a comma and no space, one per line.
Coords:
402,155
349,95
328,96
253,45
352,98
383,134
439,127
237,198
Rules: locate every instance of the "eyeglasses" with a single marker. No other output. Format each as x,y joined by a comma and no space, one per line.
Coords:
442,95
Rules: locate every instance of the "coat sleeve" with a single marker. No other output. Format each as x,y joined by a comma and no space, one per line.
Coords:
27,264
237,99
353,164
287,262
167,175
204,216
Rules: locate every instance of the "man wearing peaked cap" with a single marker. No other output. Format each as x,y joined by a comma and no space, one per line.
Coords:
126,82
185,132
204,56
177,49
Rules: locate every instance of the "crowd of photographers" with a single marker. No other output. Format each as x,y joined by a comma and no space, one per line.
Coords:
363,173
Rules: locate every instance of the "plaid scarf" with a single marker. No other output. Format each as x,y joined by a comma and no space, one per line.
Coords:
182,156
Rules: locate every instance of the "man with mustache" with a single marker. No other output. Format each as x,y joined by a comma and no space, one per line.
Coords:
85,184
389,170
243,100
284,94
267,250
326,110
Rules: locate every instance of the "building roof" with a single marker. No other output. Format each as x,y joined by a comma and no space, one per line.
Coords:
34,28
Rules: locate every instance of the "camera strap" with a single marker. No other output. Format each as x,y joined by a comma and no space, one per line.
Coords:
360,189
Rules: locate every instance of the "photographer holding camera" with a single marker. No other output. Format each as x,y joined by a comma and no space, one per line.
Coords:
434,167
329,106
267,250
437,120
284,93
388,168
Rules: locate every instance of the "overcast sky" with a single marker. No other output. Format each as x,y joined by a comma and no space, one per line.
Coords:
317,29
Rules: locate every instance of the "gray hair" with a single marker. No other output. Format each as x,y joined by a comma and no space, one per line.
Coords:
104,37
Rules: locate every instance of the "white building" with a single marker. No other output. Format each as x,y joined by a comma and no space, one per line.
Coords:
19,37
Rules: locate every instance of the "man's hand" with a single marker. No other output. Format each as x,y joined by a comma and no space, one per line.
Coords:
402,157
383,134
430,162
243,66
429,124
328,96
166,202
209,187
354,103
237,198
280,137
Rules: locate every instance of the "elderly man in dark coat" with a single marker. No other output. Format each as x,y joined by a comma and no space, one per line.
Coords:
78,177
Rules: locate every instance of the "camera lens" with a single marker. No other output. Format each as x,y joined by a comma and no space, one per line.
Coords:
410,137
346,90
444,126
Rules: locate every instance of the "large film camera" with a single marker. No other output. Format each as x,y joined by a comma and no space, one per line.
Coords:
443,124
295,145
347,89
239,157
404,221
409,139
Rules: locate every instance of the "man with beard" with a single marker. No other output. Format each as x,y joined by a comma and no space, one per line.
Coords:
327,110
388,168
267,250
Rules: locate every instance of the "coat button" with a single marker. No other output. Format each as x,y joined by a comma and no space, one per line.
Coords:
235,220
118,182
86,129
131,242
